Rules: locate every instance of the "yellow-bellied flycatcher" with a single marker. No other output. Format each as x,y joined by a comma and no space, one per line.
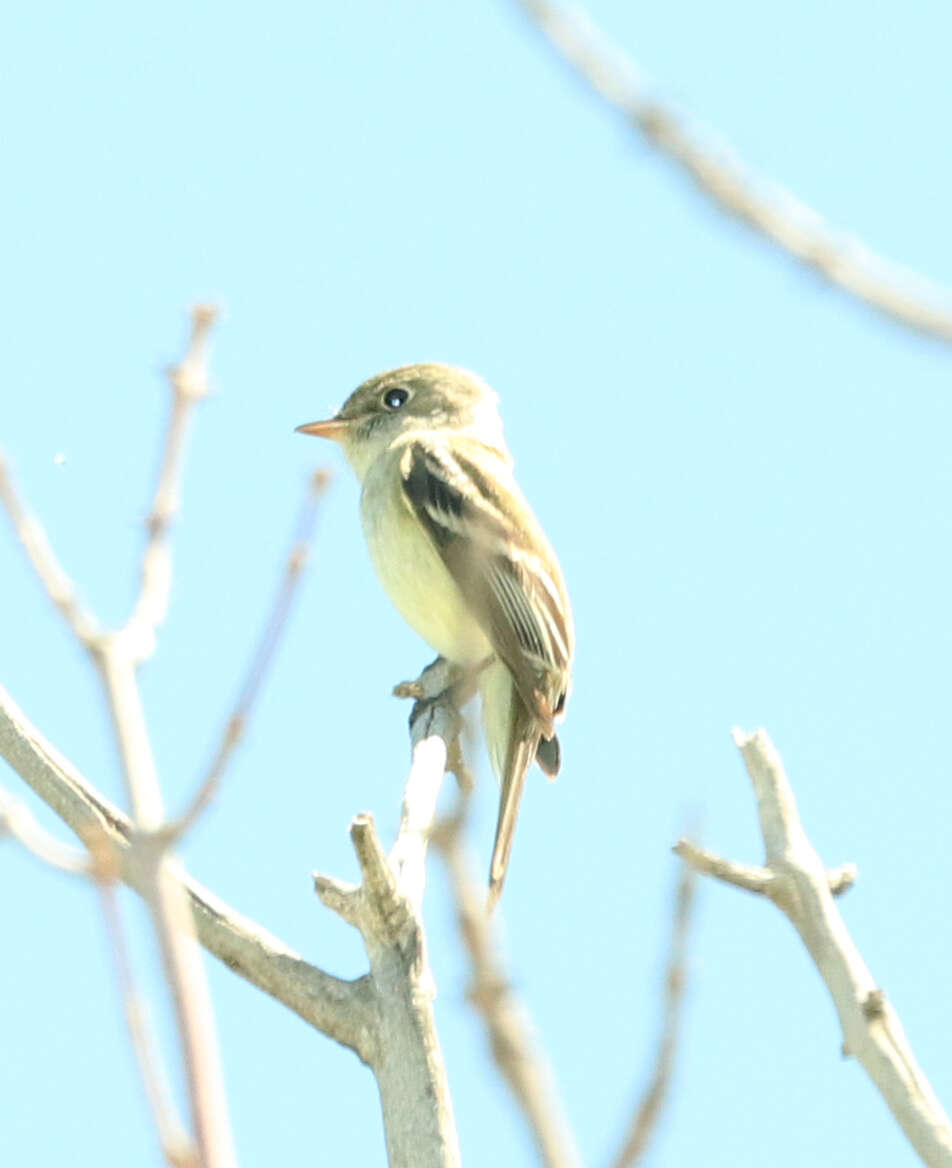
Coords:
463,558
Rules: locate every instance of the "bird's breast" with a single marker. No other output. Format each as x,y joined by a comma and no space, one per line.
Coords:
414,575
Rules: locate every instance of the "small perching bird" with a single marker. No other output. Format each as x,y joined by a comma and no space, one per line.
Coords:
464,559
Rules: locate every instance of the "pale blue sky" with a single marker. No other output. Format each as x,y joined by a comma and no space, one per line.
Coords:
746,476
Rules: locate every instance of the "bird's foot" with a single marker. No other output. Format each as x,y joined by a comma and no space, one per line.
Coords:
439,676
448,686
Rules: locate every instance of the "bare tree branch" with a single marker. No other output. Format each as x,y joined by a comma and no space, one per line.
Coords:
18,823
748,877
117,656
386,1017
745,876
55,582
263,656
772,212
403,1047
652,1103
517,1054
800,886
340,1009
189,384
177,1145
386,908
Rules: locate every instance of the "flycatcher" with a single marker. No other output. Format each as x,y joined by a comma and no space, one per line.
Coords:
464,559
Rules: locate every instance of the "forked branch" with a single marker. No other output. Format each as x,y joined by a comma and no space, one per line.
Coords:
402,1046
117,655
795,879
341,1009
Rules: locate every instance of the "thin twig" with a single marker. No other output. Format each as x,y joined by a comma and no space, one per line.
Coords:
774,213
189,384
178,1147
745,876
264,654
516,1052
57,585
652,1103
17,822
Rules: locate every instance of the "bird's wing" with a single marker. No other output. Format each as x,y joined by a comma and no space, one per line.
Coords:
495,551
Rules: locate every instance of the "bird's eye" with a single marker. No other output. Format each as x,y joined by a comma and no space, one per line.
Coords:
394,398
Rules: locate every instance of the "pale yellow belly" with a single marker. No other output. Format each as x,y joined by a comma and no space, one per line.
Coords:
415,578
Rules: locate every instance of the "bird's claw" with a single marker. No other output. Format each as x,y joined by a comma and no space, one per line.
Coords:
435,680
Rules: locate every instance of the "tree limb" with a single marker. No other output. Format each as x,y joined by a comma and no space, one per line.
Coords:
651,1105
52,577
386,907
521,1062
802,888
339,1009
772,212
176,1142
189,384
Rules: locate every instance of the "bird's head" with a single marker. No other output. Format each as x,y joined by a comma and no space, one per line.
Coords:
411,398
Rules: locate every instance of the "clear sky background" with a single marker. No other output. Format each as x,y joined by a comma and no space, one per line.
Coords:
746,476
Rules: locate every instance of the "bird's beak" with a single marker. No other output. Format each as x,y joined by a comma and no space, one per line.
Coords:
333,428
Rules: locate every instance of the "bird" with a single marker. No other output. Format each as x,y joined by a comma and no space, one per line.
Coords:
464,559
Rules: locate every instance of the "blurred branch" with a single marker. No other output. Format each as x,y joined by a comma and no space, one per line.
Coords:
652,1103
774,213
17,822
189,384
54,581
264,653
117,656
340,1009
98,864
801,887
176,1143
521,1062
386,907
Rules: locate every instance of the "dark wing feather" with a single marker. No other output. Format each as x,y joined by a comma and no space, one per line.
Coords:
549,755
500,560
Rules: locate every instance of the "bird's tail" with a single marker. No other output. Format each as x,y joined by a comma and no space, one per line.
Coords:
513,737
